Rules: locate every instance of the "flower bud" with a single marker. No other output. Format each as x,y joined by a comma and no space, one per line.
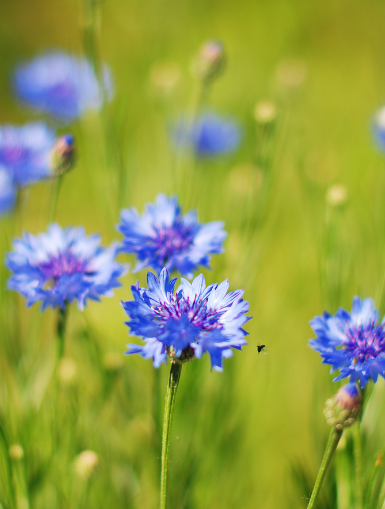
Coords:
337,195
343,409
16,452
265,112
210,61
63,154
113,361
85,464
67,371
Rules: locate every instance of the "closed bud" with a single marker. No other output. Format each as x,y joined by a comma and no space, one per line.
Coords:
337,195
63,154
85,464
16,452
265,112
343,409
113,361
210,61
67,371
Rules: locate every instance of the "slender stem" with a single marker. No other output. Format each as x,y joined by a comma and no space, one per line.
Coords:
61,327
8,467
358,464
54,198
331,446
176,369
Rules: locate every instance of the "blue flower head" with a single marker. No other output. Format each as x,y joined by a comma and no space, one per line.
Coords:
162,237
26,151
62,85
352,342
210,135
7,191
186,324
61,266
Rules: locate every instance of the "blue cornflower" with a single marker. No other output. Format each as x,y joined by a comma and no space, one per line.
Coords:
194,320
26,152
162,237
209,135
61,266
352,342
61,85
7,191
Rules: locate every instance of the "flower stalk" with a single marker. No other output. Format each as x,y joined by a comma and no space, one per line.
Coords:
334,438
173,382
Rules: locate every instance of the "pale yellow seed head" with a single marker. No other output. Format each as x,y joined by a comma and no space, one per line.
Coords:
337,195
67,370
16,452
265,112
85,464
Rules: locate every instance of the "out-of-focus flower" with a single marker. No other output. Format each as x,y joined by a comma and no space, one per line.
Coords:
7,191
67,370
352,342
209,135
16,452
85,464
62,85
164,77
26,152
343,409
194,320
210,61
162,237
113,361
61,266
265,112
291,72
337,195
379,127
63,154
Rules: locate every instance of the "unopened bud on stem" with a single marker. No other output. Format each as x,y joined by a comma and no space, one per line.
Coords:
63,154
343,409
210,61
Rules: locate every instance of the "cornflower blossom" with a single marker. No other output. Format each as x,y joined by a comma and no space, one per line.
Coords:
194,320
209,135
62,85
162,237
352,342
26,152
7,191
61,266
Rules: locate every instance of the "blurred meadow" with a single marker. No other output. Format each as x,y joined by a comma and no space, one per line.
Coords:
240,438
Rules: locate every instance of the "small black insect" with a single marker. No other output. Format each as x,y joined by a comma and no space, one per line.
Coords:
260,348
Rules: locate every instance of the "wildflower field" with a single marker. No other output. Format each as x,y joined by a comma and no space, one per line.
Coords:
239,148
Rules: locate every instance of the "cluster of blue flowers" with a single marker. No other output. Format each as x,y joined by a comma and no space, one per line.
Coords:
61,85
62,266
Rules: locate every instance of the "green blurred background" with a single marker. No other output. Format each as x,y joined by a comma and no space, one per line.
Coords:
236,435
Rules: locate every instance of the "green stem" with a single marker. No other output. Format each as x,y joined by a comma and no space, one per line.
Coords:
8,467
358,464
54,198
61,327
331,446
176,369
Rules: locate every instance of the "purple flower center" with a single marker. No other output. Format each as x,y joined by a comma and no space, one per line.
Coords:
65,263
173,240
195,311
365,343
